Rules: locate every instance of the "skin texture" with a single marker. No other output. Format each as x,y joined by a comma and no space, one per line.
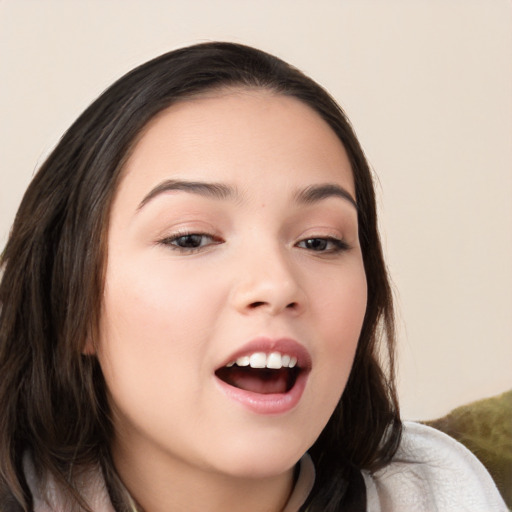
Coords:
171,316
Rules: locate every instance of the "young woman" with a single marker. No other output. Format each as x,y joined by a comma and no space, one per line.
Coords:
194,305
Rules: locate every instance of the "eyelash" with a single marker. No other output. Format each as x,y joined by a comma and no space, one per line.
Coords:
336,245
171,241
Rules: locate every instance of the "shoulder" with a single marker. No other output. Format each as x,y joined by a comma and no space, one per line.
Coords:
431,471
48,496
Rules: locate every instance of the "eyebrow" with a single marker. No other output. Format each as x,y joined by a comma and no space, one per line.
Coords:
212,190
309,195
315,193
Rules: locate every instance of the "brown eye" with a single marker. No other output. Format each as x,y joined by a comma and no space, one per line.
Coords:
189,242
329,244
315,244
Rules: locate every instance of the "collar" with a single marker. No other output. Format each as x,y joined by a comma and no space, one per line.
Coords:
95,492
303,486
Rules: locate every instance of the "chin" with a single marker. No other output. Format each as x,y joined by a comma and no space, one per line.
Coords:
261,468
261,458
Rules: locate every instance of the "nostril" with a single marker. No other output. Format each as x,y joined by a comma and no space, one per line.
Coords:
257,304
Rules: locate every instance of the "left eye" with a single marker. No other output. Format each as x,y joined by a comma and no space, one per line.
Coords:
323,244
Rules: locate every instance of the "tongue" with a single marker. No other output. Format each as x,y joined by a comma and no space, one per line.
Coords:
262,381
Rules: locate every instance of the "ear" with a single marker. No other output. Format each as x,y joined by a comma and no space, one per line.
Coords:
89,348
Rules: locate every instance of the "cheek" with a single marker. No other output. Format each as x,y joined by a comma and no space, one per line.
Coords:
152,343
156,324
150,327
340,309
337,306
341,302
154,300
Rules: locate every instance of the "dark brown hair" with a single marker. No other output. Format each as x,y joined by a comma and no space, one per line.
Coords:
52,397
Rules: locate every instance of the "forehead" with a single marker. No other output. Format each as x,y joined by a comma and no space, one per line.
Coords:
239,134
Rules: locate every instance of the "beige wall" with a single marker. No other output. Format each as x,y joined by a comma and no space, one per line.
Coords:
428,87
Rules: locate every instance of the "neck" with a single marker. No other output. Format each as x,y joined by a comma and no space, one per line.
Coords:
158,486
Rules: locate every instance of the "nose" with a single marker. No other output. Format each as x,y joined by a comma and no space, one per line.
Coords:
268,282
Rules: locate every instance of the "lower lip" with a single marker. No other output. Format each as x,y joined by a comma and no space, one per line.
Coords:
273,403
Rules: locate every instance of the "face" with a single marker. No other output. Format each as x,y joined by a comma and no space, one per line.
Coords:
235,289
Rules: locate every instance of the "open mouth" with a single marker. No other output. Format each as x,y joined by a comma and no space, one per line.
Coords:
261,373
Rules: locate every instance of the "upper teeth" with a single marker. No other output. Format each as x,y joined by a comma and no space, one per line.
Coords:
274,360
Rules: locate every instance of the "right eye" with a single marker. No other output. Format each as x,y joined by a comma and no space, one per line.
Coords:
189,242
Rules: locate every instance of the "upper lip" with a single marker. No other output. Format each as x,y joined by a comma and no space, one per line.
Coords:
267,345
